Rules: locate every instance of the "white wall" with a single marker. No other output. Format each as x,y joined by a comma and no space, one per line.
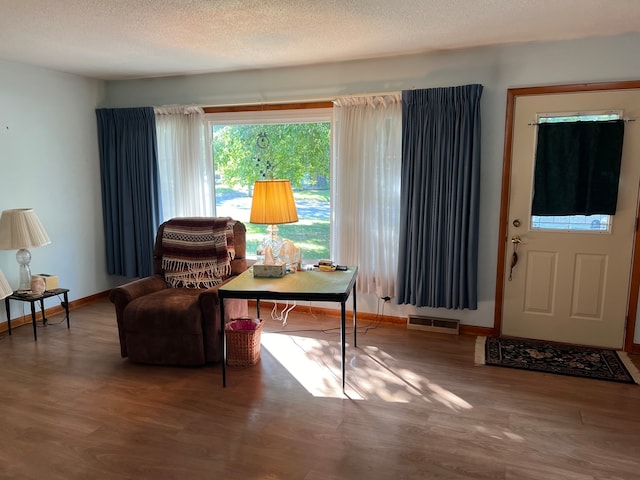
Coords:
49,161
497,68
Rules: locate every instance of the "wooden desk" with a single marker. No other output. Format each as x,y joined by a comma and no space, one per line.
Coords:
310,286
32,298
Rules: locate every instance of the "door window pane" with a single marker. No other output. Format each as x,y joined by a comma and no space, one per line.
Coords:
590,223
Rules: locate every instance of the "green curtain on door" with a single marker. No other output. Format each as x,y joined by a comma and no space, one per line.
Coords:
577,168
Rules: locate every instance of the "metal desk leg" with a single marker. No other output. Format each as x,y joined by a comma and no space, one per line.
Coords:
66,307
44,318
8,308
223,345
343,338
355,324
33,320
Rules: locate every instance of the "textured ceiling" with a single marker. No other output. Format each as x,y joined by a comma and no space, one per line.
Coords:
114,39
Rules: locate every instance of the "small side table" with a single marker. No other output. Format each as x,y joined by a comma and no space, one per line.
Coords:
32,298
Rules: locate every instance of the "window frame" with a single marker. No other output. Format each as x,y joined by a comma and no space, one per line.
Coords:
310,112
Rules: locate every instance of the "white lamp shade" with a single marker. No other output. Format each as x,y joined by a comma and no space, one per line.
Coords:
5,288
273,203
21,228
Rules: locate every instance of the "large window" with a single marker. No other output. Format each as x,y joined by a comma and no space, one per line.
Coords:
289,144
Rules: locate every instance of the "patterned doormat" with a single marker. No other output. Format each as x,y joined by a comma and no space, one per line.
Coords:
557,358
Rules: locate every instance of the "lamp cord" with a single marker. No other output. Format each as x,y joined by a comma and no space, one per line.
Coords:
284,314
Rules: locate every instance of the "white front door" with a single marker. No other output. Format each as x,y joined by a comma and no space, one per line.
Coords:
569,285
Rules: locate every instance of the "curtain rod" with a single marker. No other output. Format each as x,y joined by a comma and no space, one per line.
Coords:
623,119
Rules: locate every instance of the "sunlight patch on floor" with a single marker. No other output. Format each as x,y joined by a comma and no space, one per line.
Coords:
499,434
311,362
370,372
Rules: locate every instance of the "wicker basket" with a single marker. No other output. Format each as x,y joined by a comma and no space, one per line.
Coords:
243,341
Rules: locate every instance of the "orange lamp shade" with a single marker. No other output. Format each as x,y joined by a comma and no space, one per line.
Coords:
273,203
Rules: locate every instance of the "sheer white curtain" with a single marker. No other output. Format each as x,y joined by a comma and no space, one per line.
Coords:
367,143
184,161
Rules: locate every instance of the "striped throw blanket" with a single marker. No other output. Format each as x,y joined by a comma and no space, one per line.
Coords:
195,253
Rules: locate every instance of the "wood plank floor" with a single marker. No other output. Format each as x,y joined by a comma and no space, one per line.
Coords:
416,407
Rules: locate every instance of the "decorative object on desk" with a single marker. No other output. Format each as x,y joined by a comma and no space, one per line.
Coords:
243,341
21,229
269,268
38,285
273,270
287,262
558,358
272,205
268,256
326,265
327,268
5,288
291,256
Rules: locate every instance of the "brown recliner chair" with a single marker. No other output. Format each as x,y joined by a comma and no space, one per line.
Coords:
163,325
